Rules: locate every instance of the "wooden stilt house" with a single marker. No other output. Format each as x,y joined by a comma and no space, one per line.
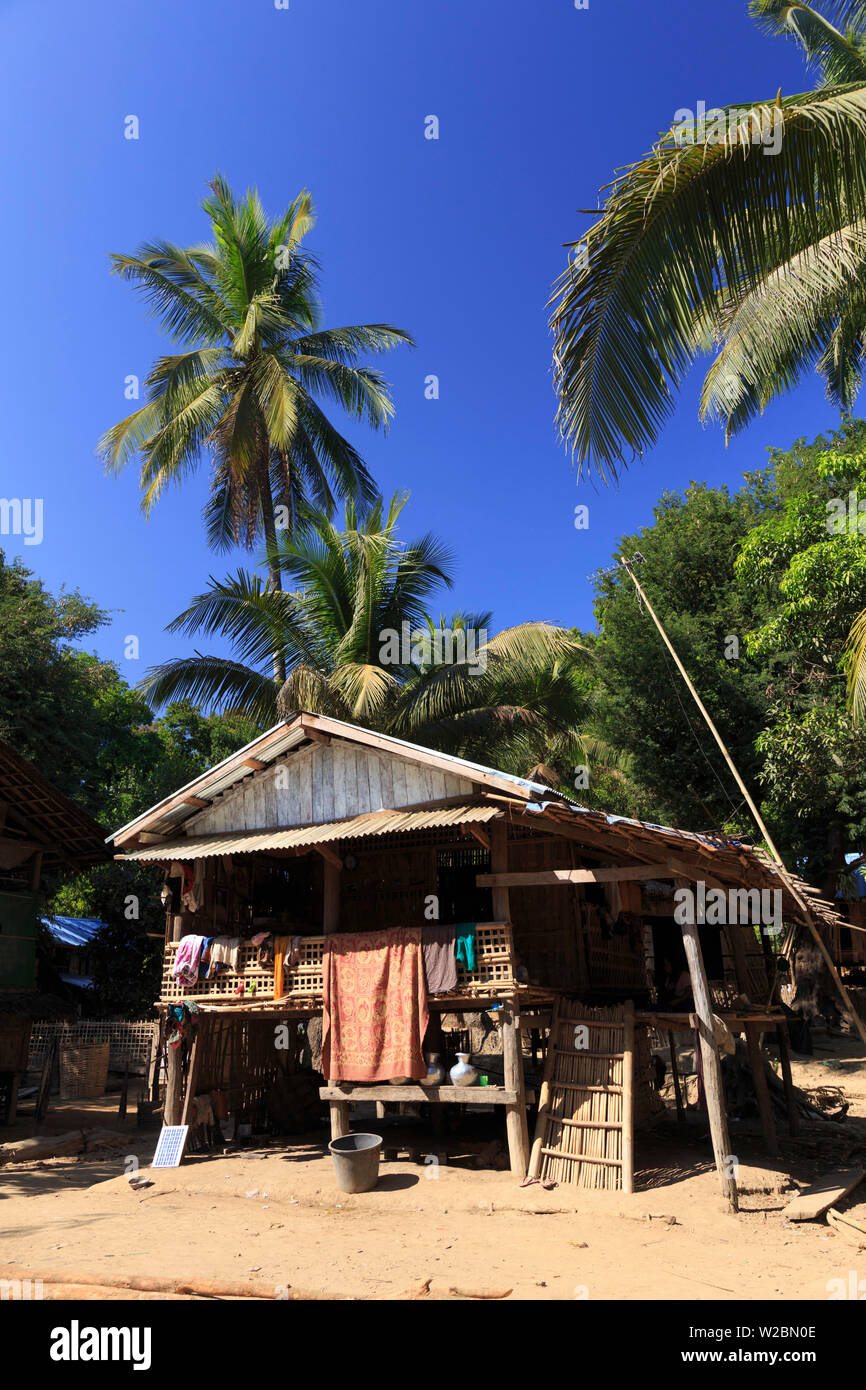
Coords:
320,827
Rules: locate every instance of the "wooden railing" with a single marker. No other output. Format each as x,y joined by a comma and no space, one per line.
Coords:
303,982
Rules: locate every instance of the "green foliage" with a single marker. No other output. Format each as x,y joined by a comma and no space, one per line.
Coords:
781,567
689,575
514,698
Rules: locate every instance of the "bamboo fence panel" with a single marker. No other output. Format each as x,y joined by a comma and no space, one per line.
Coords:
585,1119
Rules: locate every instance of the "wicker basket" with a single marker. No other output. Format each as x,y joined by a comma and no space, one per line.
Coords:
84,1070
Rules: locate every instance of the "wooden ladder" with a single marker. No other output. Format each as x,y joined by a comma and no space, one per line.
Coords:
584,1134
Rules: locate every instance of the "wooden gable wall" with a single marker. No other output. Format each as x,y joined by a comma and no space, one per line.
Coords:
325,783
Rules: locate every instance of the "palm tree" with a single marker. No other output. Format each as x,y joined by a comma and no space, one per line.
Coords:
254,359
719,246
744,238
357,643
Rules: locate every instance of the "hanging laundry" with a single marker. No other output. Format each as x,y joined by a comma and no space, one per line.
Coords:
188,959
287,950
440,963
465,944
180,1022
224,954
375,1005
192,896
204,958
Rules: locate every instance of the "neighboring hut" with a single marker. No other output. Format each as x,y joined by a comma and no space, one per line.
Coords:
71,940
320,828
41,831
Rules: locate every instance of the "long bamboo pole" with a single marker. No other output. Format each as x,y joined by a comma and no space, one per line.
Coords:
798,897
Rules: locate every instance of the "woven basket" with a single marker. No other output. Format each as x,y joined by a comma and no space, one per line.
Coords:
84,1070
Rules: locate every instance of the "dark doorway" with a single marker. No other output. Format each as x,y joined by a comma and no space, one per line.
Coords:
460,898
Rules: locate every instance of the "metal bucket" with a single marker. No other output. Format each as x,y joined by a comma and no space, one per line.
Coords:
356,1161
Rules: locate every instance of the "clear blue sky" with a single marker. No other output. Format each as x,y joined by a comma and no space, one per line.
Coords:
457,240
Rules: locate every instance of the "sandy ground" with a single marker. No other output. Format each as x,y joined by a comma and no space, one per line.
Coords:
276,1215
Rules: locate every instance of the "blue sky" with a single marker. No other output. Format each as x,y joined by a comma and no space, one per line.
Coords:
457,240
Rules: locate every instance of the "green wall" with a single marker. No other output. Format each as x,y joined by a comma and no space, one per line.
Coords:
18,940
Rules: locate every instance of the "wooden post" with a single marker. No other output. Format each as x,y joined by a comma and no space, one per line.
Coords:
13,1097
339,1118
762,1090
515,1115
124,1092
712,1067
154,1062
787,1079
173,1086
191,1081
628,1100
499,865
675,1074
544,1095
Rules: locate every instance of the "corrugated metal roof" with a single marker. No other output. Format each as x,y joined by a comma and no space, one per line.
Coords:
73,931
256,841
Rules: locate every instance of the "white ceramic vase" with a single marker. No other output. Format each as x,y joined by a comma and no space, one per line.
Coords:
463,1073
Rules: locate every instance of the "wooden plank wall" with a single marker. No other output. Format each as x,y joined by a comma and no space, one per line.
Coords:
321,784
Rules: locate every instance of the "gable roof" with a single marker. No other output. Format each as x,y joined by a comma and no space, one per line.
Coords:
291,735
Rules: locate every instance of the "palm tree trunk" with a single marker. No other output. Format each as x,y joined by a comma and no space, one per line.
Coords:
287,493
266,502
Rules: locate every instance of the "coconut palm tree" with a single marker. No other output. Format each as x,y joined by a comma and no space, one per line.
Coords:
357,643
245,386
742,236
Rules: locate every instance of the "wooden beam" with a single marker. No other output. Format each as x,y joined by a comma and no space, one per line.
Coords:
255,763
548,878
197,801
475,830
315,734
329,855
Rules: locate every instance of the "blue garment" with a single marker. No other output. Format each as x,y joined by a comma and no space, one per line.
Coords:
464,938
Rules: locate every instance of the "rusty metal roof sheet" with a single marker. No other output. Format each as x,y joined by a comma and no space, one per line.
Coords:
258,841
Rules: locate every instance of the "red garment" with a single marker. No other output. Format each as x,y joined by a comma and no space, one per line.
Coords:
375,1006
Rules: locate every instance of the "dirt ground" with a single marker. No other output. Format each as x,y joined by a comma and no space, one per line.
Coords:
276,1215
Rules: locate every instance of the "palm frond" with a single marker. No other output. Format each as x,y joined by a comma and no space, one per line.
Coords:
839,57
682,221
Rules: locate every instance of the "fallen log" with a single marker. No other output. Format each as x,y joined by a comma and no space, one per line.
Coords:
43,1146
134,1284
107,1293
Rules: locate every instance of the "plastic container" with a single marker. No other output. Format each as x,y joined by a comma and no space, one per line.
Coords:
356,1161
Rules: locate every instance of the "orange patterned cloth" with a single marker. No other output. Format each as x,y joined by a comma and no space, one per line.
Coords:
375,1013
